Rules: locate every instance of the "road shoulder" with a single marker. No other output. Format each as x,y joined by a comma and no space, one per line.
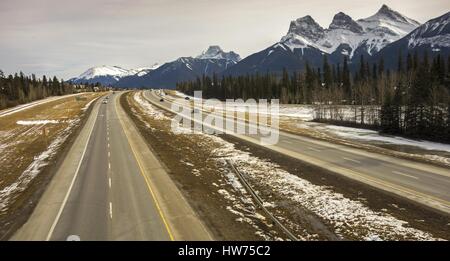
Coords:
39,224
181,218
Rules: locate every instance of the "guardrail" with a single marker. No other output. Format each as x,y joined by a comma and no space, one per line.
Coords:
260,202
249,189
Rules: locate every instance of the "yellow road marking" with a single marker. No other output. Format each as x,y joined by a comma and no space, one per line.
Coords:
141,170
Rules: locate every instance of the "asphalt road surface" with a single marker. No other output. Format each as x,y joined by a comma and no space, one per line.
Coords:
109,199
423,183
103,190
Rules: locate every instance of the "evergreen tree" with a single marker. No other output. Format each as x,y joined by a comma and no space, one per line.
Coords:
327,73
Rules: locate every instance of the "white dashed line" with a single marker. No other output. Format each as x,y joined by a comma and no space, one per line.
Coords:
109,182
110,210
314,149
352,160
403,174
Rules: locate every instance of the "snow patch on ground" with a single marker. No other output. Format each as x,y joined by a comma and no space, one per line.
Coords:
344,214
349,218
371,135
8,193
36,122
88,104
148,108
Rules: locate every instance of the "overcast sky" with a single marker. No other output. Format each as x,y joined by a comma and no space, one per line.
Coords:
65,37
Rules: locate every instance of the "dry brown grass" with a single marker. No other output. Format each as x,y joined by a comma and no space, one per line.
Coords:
20,144
294,125
199,174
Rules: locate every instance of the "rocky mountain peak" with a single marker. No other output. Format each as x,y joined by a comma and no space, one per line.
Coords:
215,52
306,26
343,21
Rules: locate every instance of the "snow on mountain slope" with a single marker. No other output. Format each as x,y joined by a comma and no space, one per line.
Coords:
435,33
102,71
385,27
306,42
141,71
215,52
389,21
371,34
213,60
108,75
433,37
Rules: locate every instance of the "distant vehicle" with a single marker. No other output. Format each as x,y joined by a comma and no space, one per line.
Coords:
161,100
107,97
105,101
187,98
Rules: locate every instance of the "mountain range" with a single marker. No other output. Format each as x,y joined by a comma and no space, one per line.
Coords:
432,37
383,34
214,59
306,40
109,75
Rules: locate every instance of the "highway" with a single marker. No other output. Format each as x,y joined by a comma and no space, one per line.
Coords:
104,190
426,184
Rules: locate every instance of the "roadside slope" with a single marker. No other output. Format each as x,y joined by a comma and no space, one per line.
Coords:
41,220
181,218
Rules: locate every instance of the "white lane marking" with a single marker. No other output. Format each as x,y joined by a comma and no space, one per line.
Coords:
109,181
314,149
110,209
109,165
404,174
66,197
108,138
353,160
109,154
108,144
73,238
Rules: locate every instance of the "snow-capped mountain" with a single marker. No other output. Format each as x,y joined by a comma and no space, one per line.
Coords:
215,52
385,27
103,71
306,40
213,60
432,37
109,75
143,70
372,33
434,33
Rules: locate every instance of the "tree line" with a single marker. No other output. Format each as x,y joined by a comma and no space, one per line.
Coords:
411,100
19,88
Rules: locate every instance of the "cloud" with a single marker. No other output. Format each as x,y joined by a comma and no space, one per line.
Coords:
65,37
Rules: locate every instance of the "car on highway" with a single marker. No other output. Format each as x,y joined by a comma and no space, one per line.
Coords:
161,100
105,101
187,98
